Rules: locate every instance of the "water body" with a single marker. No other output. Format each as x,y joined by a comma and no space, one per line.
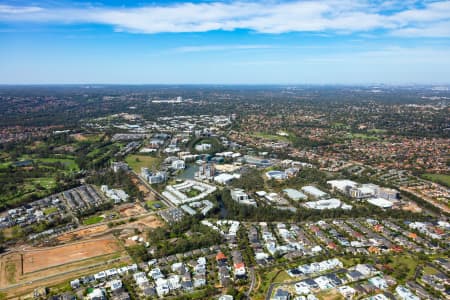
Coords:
189,172
223,211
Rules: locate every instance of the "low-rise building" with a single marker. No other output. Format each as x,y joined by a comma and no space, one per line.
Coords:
240,196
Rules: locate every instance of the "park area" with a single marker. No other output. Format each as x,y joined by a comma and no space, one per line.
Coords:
136,162
32,177
443,179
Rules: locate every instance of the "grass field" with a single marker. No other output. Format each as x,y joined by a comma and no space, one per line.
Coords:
4,165
45,182
405,261
282,277
349,262
192,193
11,272
39,187
67,162
136,162
93,220
268,136
443,179
151,203
430,271
375,130
363,136
330,295
50,210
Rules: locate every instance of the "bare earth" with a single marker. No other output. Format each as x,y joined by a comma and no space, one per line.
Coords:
26,269
151,221
45,258
82,233
130,210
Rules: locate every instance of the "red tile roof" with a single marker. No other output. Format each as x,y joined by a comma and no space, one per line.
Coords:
220,256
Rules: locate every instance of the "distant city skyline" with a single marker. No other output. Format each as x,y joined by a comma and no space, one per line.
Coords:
225,42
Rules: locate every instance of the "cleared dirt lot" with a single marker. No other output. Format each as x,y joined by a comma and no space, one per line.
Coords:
151,221
148,196
39,259
21,271
129,210
413,207
63,274
83,233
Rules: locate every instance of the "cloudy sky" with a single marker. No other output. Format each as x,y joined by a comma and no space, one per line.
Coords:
285,42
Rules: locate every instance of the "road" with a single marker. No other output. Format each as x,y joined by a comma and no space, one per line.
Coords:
252,284
155,193
274,284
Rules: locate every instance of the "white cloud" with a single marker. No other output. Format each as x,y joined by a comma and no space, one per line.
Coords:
271,17
13,10
438,29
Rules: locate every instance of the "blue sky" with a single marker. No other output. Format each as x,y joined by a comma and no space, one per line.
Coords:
225,42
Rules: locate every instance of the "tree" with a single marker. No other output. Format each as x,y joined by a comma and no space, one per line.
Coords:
2,240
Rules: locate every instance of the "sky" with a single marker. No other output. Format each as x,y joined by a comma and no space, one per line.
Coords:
225,42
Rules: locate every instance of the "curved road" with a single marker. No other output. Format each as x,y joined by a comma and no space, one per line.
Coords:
252,284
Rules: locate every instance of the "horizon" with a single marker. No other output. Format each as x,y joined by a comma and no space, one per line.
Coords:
99,85
225,42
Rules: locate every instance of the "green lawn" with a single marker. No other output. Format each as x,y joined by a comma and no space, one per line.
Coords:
192,193
349,262
330,295
92,220
363,136
50,210
151,203
430,271
443,179
375,130
4,165
10,272
45,182
404,262
282,277
136,162
67,162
